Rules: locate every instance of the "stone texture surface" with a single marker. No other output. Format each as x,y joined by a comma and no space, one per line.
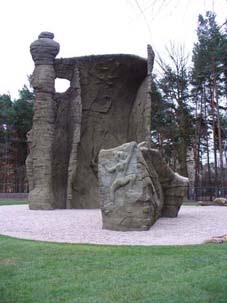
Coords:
174,187
45,49
137,187
220,201
216,202
128,197
106,105
217,239
108,86
137,120
39,161
66,140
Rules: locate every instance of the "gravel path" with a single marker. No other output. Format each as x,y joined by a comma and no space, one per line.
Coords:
194,225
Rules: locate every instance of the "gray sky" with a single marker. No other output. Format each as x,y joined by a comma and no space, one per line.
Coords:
84,27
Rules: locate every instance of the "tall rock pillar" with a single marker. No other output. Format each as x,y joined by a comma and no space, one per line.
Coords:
150,64
43,51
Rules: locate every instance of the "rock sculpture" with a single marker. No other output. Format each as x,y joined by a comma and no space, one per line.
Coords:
173,185
43,53
107,104
128,198
137,187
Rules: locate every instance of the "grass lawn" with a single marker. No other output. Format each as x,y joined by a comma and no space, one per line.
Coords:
193,203
13,202
39,272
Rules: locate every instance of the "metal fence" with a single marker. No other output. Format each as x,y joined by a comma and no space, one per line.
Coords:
206,193
13,196
202,193
14,188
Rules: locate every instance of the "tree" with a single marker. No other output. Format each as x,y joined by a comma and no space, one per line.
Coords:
177,127
15,122
23,112
208,76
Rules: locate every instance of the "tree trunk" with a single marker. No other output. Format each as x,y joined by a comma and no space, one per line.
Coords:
219,132
214,140
208,153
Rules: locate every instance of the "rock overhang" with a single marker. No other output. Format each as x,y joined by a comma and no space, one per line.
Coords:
134,65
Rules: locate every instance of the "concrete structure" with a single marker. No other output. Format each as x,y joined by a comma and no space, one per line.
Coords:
107,104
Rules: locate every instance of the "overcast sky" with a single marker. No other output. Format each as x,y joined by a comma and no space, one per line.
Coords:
84,27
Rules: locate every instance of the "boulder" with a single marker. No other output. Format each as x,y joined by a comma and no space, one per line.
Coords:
215,202
129,199
220,201
216,240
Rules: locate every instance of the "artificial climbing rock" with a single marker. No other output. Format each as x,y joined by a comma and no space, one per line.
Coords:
43,53
174,187
107,104
128,197
137,187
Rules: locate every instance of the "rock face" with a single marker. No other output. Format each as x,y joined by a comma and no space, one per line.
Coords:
106,105
129,200
137,187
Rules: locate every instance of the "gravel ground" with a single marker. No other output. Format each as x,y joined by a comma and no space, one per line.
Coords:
194,225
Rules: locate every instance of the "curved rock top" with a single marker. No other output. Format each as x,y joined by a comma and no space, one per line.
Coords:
48,35
45,49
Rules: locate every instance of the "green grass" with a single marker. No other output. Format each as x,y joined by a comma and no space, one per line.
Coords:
38,272
193,203
13,202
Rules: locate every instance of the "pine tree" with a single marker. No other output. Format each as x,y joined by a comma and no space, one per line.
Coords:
15,122
207,80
